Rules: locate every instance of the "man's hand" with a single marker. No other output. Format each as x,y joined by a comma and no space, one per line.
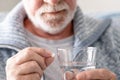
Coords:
28,64
94,74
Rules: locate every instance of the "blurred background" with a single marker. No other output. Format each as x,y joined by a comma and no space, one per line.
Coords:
88,6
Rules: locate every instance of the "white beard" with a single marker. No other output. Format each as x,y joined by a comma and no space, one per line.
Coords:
50,23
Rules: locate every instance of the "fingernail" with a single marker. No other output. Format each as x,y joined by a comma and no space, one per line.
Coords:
50,54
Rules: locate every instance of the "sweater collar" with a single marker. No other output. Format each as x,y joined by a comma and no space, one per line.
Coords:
86,30
12,31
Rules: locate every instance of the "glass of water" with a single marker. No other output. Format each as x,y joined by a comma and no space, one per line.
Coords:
76,58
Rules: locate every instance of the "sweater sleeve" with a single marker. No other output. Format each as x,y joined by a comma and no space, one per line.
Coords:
114,35
108,55
5,53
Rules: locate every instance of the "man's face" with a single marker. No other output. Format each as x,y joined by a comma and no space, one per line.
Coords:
51,16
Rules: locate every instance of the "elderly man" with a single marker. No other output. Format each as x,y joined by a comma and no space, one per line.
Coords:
34,27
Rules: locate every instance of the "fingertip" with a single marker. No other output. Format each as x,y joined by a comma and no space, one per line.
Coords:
77,76
68,75
81,76
49,60
48,53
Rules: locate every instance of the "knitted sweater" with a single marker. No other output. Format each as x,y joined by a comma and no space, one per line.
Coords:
101,33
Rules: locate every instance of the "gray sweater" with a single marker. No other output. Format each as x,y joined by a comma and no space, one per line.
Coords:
102,33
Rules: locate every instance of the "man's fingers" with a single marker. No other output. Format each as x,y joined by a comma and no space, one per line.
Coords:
32,76
27,68
101,74
49,60
29,61
71,75
32,68
23,57
68,75
113,76
42,52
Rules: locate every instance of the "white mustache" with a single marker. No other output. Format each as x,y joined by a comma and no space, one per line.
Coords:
58,7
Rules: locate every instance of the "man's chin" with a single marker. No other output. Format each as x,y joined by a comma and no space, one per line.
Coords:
53,33
53,21
52,28
53,25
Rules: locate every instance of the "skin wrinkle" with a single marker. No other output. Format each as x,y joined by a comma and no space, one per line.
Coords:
55,23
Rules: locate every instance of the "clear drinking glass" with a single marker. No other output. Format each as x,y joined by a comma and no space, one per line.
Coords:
76,58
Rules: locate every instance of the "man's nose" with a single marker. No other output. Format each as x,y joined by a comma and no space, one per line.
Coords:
52,2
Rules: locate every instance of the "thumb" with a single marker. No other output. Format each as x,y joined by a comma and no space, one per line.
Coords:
49,60
69,75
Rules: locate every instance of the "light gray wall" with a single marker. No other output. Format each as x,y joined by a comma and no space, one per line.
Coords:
88,6
7,5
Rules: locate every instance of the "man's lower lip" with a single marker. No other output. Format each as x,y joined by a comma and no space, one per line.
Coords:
57,12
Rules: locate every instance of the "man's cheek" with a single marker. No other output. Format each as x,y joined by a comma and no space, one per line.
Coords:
72,4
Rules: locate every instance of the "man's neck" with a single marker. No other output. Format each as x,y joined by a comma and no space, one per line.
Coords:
68,31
